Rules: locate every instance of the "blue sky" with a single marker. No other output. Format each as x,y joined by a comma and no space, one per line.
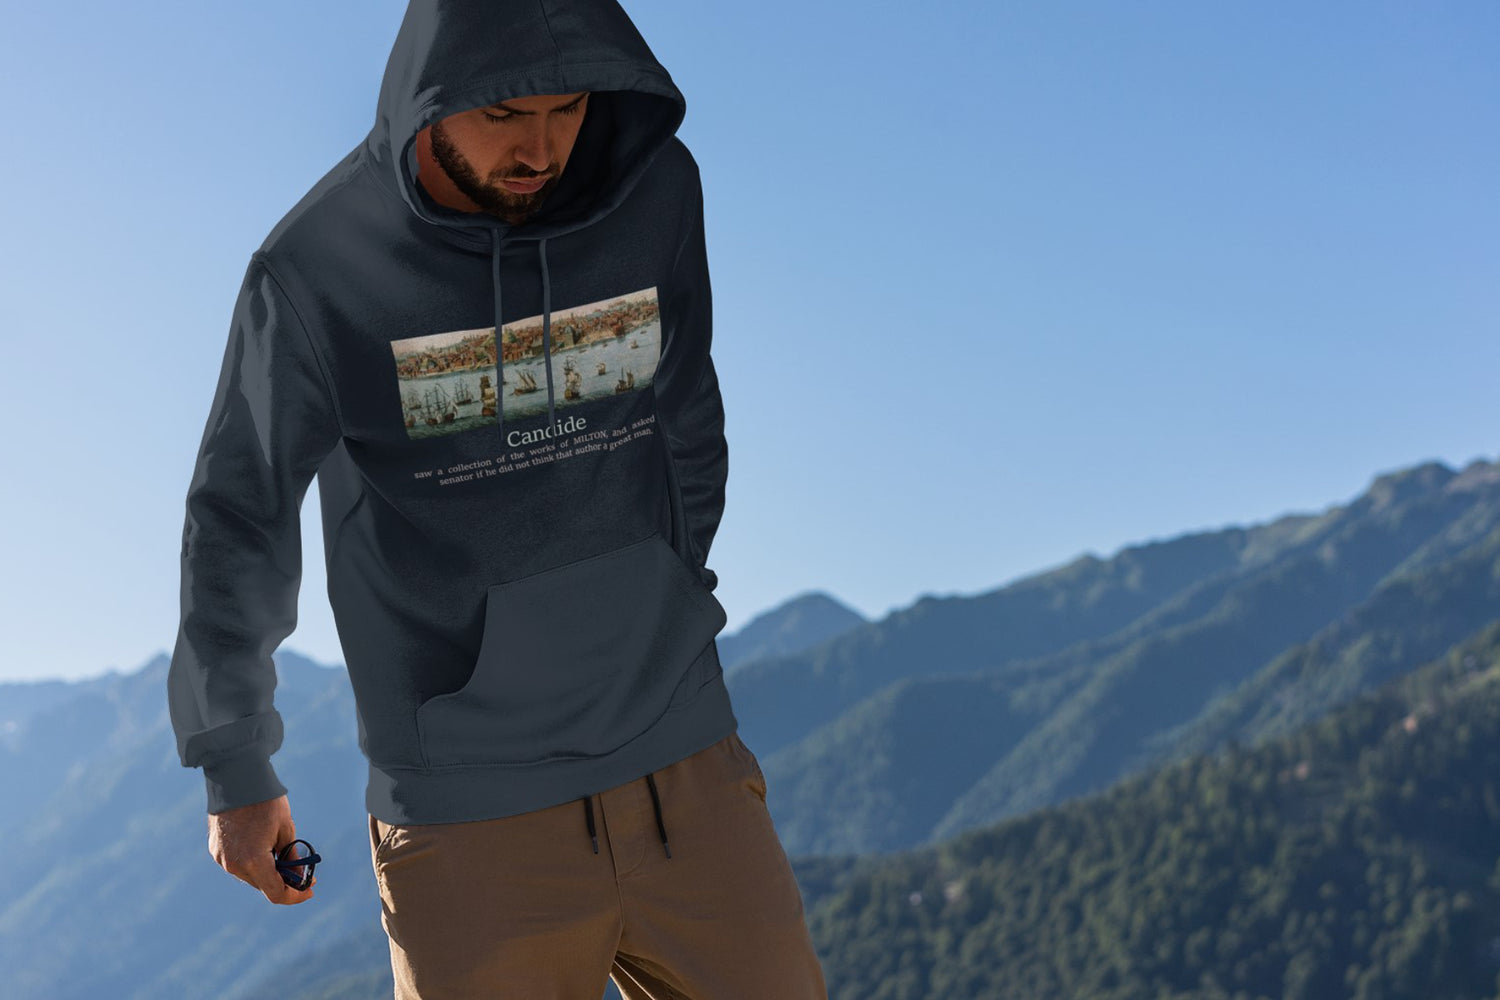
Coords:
995,284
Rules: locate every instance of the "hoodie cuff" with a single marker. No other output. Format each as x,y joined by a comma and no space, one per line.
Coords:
241,781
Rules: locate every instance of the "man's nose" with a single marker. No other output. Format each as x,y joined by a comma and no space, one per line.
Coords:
535,150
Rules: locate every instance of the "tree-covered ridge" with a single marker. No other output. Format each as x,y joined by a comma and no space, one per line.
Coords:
962,712
1356,857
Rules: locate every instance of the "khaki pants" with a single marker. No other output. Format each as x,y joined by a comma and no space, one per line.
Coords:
521,908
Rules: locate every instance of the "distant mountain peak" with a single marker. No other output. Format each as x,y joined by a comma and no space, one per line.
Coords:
1477,475
1403,485
790,627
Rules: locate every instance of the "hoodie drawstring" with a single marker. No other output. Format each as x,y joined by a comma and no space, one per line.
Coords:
495,244
541,249
661,827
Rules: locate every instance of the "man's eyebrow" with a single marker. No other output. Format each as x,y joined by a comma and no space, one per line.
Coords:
501,106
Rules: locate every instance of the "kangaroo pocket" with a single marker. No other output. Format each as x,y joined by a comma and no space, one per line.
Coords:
576,660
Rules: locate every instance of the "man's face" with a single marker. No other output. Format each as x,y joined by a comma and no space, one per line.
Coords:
524,138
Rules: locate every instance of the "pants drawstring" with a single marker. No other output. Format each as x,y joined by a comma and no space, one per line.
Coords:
661,826
588,805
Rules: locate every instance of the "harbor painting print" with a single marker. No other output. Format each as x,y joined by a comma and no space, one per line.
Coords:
447,380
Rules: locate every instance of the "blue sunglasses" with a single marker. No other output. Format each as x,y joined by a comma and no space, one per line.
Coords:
296,863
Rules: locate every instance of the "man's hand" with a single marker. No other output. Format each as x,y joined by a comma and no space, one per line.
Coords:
241,841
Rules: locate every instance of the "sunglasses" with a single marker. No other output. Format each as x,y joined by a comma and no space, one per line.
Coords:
295,862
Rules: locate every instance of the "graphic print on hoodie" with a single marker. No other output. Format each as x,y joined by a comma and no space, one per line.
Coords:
447,379
516,529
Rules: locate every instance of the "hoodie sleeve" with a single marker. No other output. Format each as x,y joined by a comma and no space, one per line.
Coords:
272,422
688,402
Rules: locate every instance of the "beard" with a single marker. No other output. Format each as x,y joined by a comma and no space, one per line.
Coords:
487,193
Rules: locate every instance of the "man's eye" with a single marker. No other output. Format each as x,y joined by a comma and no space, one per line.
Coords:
575,109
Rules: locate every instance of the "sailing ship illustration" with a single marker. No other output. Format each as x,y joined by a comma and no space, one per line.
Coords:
438,406
572,380
487,398
627,381
634,343
462,393
602,369
528,384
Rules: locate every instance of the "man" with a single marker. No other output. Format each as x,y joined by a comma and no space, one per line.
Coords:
506,393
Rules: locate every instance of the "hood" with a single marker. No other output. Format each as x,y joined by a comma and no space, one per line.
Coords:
455,55
461,54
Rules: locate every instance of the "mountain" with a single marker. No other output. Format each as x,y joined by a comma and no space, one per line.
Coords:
792,626
884,742
1356,857
962,711
118,895
19,700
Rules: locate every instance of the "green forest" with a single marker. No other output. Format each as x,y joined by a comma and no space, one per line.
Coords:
1355,858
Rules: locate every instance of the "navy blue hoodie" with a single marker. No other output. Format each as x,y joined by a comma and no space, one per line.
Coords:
518,438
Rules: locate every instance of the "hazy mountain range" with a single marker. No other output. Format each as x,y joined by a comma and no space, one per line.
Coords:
1028,745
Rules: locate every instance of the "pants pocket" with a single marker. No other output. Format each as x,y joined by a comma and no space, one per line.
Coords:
381,833
757,777
575,661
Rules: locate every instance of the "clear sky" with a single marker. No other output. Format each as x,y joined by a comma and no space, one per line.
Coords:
996,284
